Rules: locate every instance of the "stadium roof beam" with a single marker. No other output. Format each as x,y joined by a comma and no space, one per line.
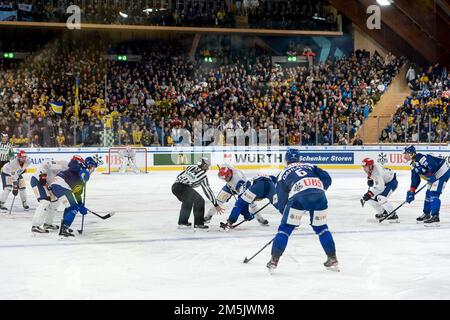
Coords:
401,24
426,15
99,27
386,37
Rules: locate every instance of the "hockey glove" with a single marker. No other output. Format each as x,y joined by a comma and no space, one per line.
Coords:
410,196
15,190
432,179
85,175
82,209
370,182
368,196
43,179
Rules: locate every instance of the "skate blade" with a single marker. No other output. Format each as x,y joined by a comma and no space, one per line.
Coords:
434,225
393,221
333,269
271,271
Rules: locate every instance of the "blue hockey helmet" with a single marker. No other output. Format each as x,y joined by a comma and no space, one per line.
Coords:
292,156
410,150
90,164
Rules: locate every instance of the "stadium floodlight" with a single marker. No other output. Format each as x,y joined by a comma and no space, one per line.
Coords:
384,2
123,15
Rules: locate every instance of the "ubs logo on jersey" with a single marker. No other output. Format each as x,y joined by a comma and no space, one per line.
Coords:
77,189
382,158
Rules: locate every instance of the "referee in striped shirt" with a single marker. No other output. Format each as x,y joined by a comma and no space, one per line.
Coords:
183,189
6,151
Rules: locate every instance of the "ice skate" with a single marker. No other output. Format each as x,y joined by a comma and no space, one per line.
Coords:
52,227
2,207
433,222
207,219
38,230
261,220
273,264
380,216
25,206
64,231
332,263
423,217
184,226
226,226
393,219
201,227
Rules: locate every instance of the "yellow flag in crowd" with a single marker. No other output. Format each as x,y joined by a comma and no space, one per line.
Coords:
76,107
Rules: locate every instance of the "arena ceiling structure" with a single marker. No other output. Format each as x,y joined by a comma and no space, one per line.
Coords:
417,29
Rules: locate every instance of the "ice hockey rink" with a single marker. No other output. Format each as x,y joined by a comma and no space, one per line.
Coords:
140,254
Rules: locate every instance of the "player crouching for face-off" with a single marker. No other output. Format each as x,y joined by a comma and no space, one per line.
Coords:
436,172
248,191
68,188
12,179
48,205
301,191
183,189
382,183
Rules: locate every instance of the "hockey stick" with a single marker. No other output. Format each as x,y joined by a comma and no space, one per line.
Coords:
107,216
82,218
246,260
253,215
362,200
12,204
393,212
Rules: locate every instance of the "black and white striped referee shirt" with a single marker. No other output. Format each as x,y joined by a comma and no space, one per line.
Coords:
195,176
6,152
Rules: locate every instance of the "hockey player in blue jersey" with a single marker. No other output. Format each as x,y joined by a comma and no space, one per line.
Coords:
250,192
436,172
301,190
68,187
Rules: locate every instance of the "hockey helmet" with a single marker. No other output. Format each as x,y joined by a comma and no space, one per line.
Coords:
367,165
292,156
410,149
22,156
226,174
204,163
78,159
90,164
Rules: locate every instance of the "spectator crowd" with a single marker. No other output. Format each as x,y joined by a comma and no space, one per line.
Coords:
424,115
146,102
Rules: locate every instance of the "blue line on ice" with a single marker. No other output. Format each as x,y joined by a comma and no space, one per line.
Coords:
267,236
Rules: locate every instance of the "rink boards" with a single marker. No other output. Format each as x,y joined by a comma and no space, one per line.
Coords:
251,158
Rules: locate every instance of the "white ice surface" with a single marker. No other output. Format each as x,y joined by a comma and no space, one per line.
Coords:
140,254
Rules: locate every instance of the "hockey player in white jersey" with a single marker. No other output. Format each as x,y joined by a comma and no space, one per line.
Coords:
128,160
13,180
382,183
236,182
48,204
